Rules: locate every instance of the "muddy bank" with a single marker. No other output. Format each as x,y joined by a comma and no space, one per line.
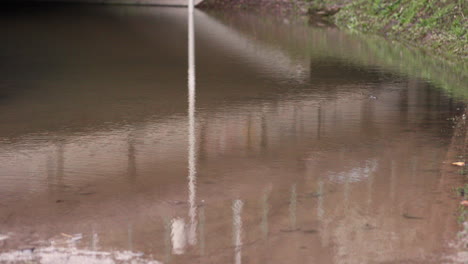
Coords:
454,170
457,160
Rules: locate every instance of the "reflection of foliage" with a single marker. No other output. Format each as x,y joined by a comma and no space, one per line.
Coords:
460,146
462,215
299,40
462,210
450,76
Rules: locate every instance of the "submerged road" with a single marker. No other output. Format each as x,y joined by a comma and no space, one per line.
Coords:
251,155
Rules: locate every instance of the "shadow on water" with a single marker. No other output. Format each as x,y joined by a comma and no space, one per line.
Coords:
288,144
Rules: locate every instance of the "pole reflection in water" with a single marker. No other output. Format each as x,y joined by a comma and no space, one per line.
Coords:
131,160
414,167
292,208
167,240
346,195
321,215
346,184
320,211
201,229
94,239
192,158
237,230
178,236
370,186
60,166
265,212
50,174
130,236
393,181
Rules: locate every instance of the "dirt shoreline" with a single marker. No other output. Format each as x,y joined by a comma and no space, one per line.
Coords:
457,153
450,174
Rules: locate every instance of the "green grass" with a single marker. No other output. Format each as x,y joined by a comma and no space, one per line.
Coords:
462,214
436,25
462,210
462,191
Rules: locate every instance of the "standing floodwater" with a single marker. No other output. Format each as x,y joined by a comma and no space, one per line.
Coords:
129,134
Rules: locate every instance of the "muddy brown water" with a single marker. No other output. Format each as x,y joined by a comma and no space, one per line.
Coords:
267,148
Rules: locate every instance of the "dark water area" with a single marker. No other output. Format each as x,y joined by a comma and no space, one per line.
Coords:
272,142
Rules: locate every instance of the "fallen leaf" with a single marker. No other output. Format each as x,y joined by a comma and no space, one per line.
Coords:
66,235
459,163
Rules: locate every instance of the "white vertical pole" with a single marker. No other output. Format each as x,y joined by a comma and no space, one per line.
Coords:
192,158
190,8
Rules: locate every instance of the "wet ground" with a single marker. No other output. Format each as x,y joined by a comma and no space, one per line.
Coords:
128,134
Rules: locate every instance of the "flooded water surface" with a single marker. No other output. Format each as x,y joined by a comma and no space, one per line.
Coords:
139,134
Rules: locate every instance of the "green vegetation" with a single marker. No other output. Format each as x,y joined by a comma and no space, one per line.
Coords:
462,214
436,25
461,148
462,210
463,191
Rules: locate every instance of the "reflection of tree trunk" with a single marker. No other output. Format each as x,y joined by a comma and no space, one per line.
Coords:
293,134
202,152
320,210
324,236
131,154
249,134
293,208
403,107
265,213
264,135
428,94
393,182
94,239
167,240
414,168
60,166
130,236
201,229
50,175
341,159
367,118
413,98
370,183
319,121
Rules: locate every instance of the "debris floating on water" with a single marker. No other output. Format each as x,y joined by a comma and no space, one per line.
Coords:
66,235
74,237
407,216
